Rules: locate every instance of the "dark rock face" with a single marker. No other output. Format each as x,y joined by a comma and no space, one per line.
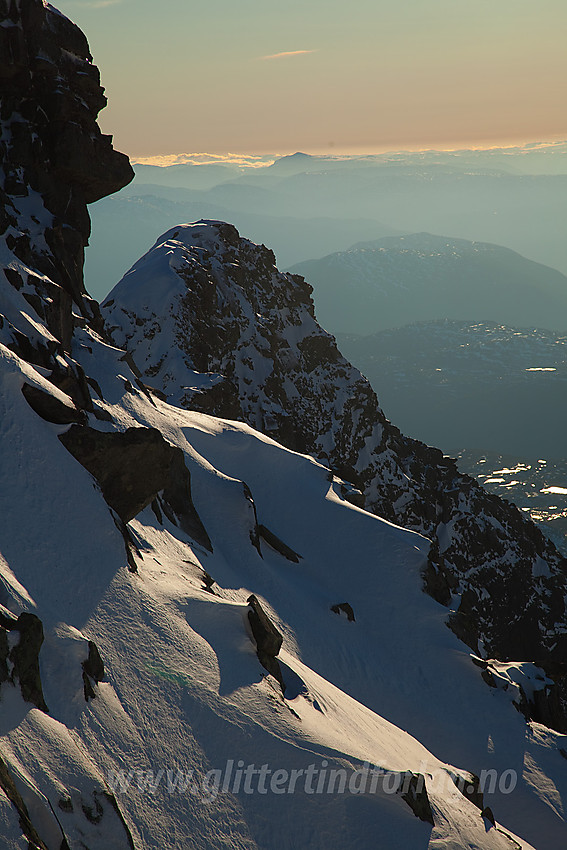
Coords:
24,657
346,608
274,541
268,639
252,350
414,793
132,467
470,787
51,408
55,161
93,671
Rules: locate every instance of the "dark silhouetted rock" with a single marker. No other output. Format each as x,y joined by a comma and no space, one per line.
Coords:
132,467
346,608
51,145
255,529
25,658
208,581
51,408
93,671
268,639
277,544
4,652
414,793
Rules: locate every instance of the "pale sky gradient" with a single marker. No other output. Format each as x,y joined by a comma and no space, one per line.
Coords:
320,75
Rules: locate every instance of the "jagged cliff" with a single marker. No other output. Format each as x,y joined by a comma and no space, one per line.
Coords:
214,325
54,161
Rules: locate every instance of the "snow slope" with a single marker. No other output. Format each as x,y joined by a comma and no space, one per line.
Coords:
185,689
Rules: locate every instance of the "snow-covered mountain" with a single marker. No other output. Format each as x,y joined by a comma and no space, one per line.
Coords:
204,641
217,328
125,224
396,281
479,385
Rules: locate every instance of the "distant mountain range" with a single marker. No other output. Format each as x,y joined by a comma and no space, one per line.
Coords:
475,385
305,207
124,225
391,282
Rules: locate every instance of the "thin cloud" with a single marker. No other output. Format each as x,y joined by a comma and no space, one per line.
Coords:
95,4
287,53
241,160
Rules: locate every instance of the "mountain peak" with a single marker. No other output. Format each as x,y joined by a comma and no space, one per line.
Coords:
291,162
217,327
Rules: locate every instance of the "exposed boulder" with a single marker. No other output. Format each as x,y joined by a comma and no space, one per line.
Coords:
346,608
277,544
51,408
268,639
93,671
132,467
25,658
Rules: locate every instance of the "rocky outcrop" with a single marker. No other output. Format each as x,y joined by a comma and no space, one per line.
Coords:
51,408
213,323
274,541
268,639
21,662
93,671
132,468
9,788
55,159
346,608
414,793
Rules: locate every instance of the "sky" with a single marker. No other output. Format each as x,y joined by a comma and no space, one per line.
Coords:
276,76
